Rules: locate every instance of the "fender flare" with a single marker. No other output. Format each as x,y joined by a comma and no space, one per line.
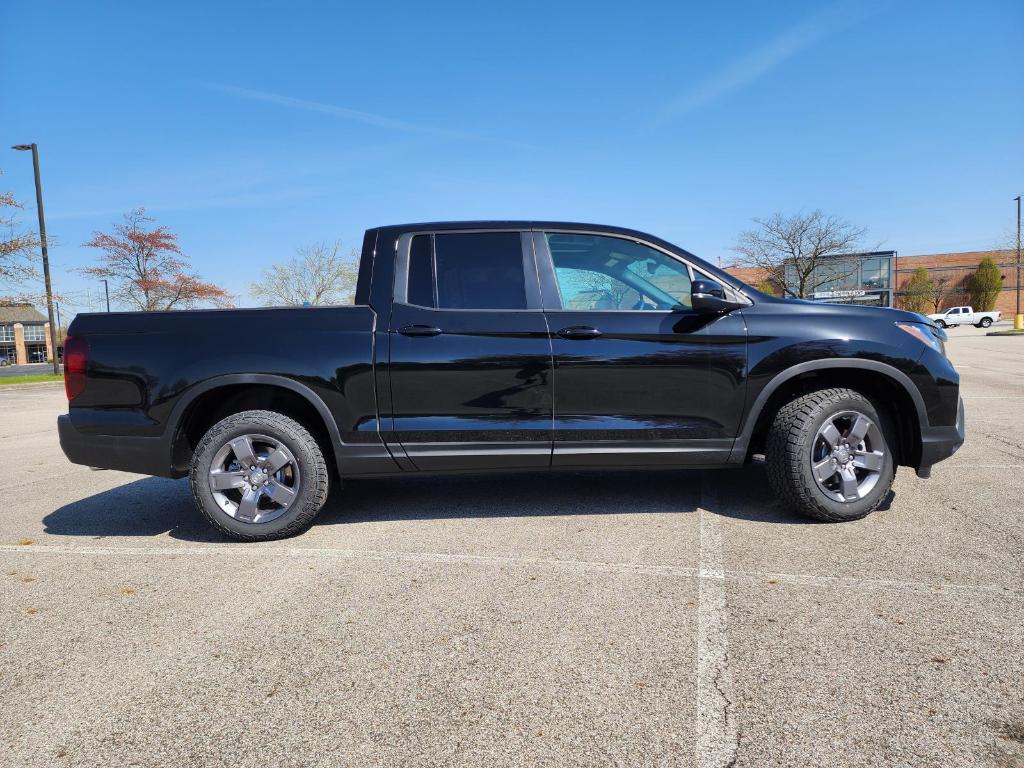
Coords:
174,420
739,450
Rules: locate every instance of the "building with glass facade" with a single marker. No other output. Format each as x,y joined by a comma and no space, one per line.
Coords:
23,331
856,278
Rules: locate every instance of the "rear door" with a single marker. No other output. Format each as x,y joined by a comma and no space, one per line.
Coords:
470,357
640,378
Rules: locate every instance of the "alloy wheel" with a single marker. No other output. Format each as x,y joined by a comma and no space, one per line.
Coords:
847,456
254,478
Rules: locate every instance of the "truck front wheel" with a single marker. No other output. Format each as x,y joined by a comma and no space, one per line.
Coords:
259,475
828,456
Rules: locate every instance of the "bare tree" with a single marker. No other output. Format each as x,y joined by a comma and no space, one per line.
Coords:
318,275
797,252
147,268
943,287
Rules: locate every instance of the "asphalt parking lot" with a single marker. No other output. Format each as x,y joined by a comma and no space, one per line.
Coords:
569,619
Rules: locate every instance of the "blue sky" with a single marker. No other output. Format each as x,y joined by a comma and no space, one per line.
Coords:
252,128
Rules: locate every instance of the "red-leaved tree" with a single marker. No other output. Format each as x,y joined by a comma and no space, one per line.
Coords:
147,270
16,247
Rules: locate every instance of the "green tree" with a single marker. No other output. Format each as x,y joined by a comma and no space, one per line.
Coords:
984,285
918,293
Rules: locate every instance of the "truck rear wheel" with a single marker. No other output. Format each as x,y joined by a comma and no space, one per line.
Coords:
986,322
259,475
828,456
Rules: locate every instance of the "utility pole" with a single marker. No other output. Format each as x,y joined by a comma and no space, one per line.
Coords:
106,290
42,245
1018,318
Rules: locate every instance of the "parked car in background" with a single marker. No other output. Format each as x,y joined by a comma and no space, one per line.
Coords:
4,360
951,318
450,361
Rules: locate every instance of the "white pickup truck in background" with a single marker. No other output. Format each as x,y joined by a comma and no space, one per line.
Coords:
965,316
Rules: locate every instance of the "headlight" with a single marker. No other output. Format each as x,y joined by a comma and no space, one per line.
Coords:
927,334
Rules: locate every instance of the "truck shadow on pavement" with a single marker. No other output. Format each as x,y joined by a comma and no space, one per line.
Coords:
154,506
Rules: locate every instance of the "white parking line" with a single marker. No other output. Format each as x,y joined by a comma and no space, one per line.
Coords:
708,572
717,732
969,398
964,464
349,554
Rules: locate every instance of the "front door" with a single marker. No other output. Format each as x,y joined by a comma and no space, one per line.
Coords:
470,357
639,377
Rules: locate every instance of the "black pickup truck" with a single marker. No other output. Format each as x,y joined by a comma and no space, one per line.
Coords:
511,345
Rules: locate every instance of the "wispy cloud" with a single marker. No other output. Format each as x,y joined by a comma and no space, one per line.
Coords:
357,116
759,62
241,200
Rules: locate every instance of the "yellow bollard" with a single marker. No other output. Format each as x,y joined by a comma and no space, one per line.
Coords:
1018,322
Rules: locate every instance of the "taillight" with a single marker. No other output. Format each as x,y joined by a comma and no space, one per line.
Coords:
76,355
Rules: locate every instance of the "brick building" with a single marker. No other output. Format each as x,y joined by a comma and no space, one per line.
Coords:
24,335
955,268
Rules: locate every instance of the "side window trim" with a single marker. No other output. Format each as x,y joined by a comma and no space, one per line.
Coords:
549,280
403,246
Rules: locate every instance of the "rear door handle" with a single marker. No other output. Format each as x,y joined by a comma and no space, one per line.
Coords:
579,332
420,330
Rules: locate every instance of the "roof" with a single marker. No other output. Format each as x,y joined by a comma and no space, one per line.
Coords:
564,226
969,259
20,313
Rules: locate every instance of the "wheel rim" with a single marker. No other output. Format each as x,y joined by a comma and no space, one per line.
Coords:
254,478
847,456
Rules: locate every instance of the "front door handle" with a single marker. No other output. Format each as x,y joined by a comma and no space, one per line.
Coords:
579,332
420,330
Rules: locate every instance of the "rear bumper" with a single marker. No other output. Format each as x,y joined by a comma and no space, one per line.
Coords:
938,443
145,455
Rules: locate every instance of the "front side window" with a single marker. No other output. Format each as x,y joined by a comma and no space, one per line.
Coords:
596,273
472,270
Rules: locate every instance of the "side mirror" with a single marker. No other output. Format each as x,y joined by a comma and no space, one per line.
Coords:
707,296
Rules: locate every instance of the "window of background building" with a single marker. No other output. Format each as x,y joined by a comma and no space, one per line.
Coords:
875,273
34,333
835,275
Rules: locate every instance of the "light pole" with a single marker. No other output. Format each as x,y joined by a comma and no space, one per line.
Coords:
1018,318
106,290
42,245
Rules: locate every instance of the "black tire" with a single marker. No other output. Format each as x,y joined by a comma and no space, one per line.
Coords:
986,322
310,491
941,323
793,437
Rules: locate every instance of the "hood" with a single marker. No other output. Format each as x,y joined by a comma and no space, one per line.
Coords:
857,310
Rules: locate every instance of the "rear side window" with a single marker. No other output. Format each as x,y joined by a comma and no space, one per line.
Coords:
467,271
421,272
